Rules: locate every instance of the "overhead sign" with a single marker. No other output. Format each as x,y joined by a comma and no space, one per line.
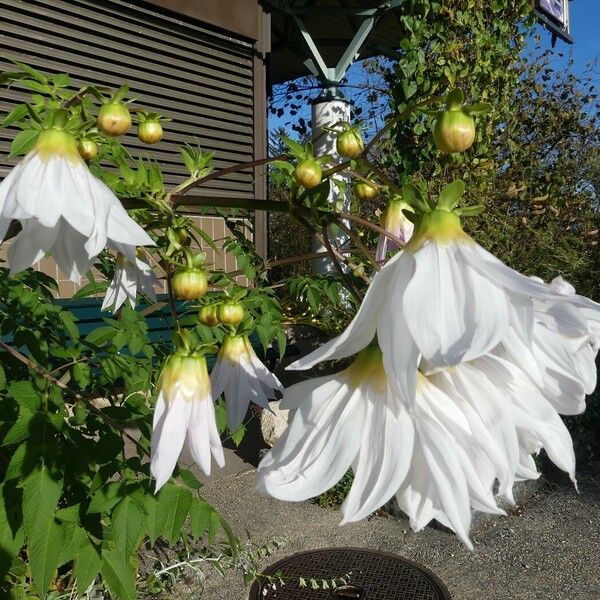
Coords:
554,15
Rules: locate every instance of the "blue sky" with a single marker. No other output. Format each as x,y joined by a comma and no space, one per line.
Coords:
585,26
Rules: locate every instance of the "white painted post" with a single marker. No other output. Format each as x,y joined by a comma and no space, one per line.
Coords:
327,110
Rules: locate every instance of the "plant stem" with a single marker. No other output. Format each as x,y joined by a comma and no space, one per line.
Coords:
372,226
48,377
184,189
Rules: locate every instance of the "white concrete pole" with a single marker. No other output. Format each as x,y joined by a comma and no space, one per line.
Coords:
327,110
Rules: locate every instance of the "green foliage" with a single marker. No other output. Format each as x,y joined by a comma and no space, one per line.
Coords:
76,487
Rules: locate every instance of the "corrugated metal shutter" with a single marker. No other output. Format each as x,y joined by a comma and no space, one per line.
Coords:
201,79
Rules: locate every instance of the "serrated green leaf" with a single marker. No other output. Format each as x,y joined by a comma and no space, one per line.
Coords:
106,497
189,479
25,394
200,517
20,430
44,536
118,574
68,320
101,335
23,142
87,565
82,374
127,520
172,508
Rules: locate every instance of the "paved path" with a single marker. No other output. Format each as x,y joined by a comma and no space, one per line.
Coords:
548,548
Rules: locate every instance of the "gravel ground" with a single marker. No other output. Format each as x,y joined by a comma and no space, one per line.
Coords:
548,547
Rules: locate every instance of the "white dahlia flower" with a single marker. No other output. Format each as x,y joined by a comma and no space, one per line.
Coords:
184,414
130,274
442,300
63,208
241,377
472,425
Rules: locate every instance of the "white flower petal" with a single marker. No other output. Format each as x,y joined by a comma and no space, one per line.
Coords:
361,331
384,458
169,432
316,450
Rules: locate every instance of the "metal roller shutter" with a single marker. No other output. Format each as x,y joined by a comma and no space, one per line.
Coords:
200,78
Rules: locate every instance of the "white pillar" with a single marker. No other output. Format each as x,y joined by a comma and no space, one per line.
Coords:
327,110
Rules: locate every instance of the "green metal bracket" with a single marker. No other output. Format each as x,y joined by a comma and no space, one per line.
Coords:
331,76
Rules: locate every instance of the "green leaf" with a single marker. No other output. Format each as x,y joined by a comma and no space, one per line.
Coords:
189,479
20,430
87,565
16,114
36,86
25,394
409,88
451,194
455,98
101,335
68,320
2,378
200,517
118,575
172,508
12,537
283,165
482,108
414,197
106,497
296,148
44,536
127,523
31,71
82,374
238,435
90,289
23,142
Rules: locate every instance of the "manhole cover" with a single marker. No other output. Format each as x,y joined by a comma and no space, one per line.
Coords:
373,576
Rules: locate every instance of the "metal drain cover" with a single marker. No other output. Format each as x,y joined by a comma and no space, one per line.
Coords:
373,576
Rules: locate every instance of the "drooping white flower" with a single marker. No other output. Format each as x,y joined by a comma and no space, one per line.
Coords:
62,207
349,419
397,223
184,414
472,426
241,377
130,274
443,300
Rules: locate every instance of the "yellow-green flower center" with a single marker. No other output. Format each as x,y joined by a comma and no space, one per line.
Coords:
439,225
234,347
57,142
368,368
188,374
